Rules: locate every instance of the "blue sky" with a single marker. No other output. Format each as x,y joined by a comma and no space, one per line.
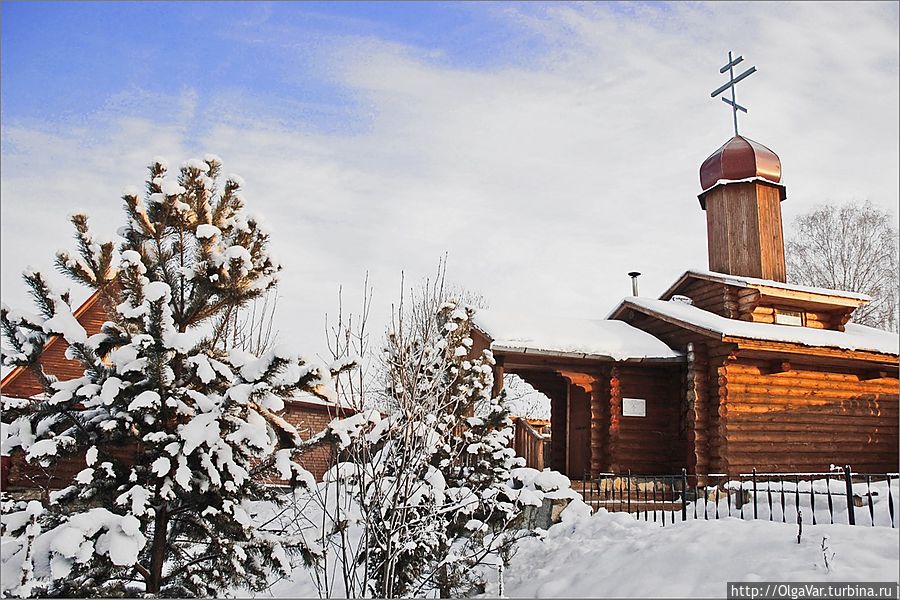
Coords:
548,148
65,60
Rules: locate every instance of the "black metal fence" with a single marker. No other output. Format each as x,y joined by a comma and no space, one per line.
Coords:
839,496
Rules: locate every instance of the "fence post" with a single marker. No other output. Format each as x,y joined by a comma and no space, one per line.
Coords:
684,483
755,515
628,485
851,516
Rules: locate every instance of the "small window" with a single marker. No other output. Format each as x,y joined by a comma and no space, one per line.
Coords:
634,407
788,317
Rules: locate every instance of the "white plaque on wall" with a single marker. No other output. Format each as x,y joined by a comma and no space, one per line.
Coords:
634,407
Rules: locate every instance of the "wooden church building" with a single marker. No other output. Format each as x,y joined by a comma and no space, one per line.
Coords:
730,369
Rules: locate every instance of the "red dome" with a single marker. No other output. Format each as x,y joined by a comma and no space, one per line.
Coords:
740,158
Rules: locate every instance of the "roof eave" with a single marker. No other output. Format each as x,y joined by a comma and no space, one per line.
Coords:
667,318
744,343
523,350
836,298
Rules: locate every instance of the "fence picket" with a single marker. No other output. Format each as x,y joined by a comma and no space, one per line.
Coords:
783,511
891,500
869,494
848,482
830,505
629,490
812,501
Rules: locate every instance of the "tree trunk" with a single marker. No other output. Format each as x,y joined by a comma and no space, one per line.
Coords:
444,584
158,550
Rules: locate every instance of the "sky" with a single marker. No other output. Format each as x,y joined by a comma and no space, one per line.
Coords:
546,148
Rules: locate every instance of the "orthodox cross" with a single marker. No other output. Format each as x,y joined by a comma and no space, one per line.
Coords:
735,107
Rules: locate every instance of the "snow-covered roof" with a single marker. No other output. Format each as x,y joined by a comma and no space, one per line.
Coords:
591,338
855,337
308,398
746,282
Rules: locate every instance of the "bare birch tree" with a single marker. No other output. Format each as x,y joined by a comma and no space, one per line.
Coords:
851,247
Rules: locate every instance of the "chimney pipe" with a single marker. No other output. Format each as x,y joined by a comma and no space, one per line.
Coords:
634,284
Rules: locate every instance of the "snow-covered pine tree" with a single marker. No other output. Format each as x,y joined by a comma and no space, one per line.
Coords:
439,501
477,462
172,516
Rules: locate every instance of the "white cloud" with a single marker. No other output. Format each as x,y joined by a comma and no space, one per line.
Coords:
546,182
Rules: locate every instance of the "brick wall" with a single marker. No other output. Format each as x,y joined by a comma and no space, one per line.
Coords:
309,418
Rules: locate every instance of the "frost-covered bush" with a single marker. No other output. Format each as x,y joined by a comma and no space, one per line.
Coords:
173,514
424,499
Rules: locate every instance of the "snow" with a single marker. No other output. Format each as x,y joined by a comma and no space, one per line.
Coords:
616,556
742,281
552,334
110,389
855,337
195,163
74,540
170,187
41,448
239,253
139,496
254,431
204,370
146,399
131,257
202,429
207,231
161,466
156,290
744,180
65,324
339,401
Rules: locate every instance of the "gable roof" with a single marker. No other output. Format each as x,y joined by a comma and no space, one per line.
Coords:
79,313
770,287
559,336
855,337
63,367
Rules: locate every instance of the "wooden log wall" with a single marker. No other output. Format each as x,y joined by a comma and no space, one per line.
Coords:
751,308
805,419
600,425
710,295
748,305
650,444
696,409
615,420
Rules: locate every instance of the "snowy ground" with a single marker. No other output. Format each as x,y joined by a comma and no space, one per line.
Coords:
613,555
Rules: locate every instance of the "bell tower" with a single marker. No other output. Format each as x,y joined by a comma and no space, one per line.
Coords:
742,195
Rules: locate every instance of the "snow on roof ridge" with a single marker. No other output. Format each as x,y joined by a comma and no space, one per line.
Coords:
746,281
554,334
310,398
744,180
855,337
